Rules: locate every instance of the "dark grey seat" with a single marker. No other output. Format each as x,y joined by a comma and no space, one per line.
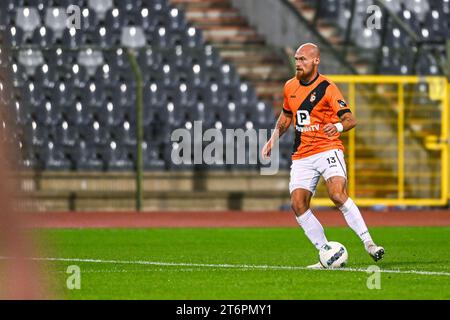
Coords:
86,157
117,158
54,157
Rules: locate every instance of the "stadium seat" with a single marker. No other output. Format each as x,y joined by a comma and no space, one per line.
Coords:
117,158
111,114
92,94
31,59
28,20
104,37
114,19
117,59
5,18
95,133
61,57
176,21
47,75
91,60
6,93
77,76
48,114
232,116
427,64
86,157
73,38
127,5
63,94
67,133
89,20
56,20
77,114
21,113
124,95
133,37
213,96
167,77
101,7
19,74
436,25
228,76
151,158
29,159
182,96
15,36
148,20
154,96
196,77
125,133
36,133
5,57
54,158
368,39
263,116
199,112
328,8
173,114
419,7
156,5
32,93
176,58
42,37
149,58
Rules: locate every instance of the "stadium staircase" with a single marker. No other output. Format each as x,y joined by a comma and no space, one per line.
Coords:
226,29
332,34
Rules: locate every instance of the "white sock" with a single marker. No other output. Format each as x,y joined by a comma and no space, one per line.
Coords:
355,221
313,229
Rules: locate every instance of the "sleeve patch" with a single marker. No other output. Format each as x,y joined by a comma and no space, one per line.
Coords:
342,103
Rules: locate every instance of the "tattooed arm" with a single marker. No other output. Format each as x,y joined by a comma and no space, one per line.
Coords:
348,122
283,123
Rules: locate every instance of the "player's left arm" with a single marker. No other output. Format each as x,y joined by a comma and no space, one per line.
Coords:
341,109
347,122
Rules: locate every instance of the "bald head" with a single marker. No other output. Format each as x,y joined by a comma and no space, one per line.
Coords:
307,60
309,49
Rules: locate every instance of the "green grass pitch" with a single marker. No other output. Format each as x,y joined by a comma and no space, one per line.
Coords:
244,264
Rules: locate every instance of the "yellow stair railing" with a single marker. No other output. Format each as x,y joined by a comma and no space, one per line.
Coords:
398,153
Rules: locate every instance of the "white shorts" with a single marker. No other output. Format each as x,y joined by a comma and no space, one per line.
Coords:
306,172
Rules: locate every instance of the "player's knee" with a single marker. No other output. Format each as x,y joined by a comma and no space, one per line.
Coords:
299,206
338,198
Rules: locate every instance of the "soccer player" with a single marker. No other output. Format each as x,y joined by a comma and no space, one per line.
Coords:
319,113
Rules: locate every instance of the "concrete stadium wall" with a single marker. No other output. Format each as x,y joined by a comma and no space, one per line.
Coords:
87,191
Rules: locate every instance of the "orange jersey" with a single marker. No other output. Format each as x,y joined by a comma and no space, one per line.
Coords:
313,105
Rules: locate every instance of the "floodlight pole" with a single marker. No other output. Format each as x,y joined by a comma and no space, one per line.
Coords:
139,128
448,59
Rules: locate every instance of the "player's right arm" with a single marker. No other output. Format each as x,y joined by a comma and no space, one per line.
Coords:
283,123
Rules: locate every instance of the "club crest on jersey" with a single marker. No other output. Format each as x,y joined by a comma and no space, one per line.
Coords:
342,103
313,97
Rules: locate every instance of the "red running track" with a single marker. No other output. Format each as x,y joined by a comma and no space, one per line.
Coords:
227,219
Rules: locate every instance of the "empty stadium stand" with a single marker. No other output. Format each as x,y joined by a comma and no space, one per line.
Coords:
75,92
410,38
72,95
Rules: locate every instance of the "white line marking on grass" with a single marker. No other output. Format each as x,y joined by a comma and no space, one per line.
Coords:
229,266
